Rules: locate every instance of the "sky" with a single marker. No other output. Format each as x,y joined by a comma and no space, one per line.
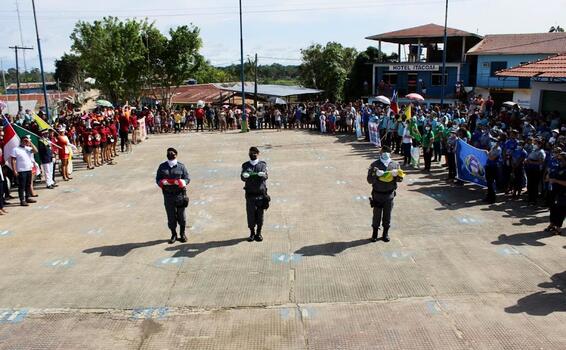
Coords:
275,30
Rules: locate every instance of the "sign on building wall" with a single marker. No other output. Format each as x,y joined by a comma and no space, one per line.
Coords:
414,67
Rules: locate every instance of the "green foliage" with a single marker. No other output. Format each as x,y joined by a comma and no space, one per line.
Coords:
266,74
327,68
68,72
113,52
32,76
557,29
360,77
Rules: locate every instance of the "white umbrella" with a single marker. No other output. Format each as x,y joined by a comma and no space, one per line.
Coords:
277,100
509,104
383,100
200,104
415,97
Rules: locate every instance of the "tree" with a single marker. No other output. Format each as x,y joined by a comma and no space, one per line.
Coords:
360,77
326,68
557,29
174,60
69,73
113,52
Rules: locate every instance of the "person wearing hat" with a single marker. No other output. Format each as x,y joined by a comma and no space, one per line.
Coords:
254,175
173,178
64,152
451,141
493,160
22,166
558,205
46,158
533,167
383,175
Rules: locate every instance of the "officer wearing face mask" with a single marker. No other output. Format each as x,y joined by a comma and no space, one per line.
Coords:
172,177
383,175
254,174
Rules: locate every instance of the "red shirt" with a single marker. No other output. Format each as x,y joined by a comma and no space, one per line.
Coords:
124,123
199,113
102,130
96,138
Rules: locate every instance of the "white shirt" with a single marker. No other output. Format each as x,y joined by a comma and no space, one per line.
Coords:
23,159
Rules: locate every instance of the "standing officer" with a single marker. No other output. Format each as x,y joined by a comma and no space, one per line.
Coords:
383,175
254,174
173,179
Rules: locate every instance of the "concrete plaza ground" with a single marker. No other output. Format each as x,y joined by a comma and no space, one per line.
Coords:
88,266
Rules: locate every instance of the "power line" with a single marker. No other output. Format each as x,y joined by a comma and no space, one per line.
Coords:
265,11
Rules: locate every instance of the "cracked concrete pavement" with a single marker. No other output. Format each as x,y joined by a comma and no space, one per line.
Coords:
89,267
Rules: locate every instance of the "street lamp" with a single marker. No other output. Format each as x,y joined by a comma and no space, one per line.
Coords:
443,87
244,117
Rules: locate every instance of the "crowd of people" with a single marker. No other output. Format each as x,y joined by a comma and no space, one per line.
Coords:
525,149
95,135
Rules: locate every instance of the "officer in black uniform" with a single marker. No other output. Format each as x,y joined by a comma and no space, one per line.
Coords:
173,178
383,175
254,174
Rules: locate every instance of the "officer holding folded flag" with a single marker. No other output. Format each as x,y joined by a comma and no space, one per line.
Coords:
254,174
172,177
383,175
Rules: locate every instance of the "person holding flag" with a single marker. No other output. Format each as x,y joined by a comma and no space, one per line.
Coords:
22,166
254,174
383,175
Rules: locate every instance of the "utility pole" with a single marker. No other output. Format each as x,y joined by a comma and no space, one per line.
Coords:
41,63
21,35
3,74
16,48
244,117
255,83
443,87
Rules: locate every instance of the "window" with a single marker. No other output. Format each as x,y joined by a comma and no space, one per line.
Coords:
496,66
436,79
390,78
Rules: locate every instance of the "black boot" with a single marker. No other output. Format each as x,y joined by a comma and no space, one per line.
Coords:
374,235
183,238
386,234
173,237
258,236
252,235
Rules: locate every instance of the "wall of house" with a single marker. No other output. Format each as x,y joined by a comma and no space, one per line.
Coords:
484,78
539,87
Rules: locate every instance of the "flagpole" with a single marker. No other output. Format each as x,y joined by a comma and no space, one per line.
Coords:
41,62
31,133
443,87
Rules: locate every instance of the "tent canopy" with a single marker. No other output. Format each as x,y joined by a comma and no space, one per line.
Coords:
269,90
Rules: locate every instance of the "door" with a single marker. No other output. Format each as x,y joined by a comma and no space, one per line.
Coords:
412,80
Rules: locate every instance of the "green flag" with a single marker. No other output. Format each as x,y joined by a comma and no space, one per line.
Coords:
21,132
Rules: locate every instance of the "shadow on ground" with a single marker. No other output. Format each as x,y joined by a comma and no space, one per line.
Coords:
523,239
543,303
330,249
122,249
190,250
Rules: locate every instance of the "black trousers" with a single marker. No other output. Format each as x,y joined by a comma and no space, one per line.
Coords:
427,154
175,215
200,124
451,157
533,180
382,208
123,139
2,193
24,185
406,153
254,211
557,214
491,177
437,150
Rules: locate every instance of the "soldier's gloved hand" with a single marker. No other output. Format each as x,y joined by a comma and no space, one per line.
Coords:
394,172
246,175
379,172
261,174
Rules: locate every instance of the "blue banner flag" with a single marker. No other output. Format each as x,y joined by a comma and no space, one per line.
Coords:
470,163
373,127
